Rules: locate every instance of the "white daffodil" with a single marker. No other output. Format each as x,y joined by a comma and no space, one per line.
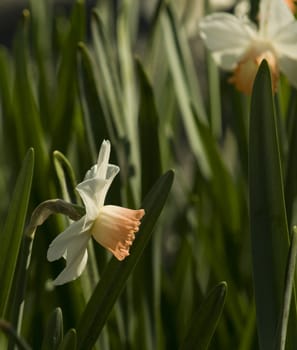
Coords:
238,46
111,226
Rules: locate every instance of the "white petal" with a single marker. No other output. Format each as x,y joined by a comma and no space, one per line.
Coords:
227,37
70,244
103,159
77,257
59,245
97,182
112,171
274,15
285,41
93,191
91,172
289,67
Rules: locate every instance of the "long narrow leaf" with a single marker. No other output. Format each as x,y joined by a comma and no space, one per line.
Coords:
54,331
69,342
268,223
205,319
182,88
149,132
289,283
115,275
65,95
12,232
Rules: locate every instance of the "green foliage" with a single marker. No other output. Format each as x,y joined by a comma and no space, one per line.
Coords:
269,229
54,331
12,232
116,273
205,319
137,75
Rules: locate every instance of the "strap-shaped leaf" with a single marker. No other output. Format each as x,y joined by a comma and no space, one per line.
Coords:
175,48
69,342
62,119
289,283
205,319
116,273
11,333
268,223
12,233
96,121
54,331
149,132
66,177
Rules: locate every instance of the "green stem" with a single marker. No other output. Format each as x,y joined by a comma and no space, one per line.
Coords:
49,207
11,333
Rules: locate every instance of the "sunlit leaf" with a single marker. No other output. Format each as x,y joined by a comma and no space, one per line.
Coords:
116,273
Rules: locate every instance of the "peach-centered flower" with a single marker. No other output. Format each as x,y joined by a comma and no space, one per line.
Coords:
238,46
111,226
292,5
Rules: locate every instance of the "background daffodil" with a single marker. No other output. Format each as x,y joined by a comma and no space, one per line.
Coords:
238,46
111,226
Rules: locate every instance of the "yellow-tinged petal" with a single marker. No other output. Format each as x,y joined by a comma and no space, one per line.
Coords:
236,45
292,5
115,229
246,70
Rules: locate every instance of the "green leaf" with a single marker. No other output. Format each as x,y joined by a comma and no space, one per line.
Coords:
41,30
222,185
146,289
12,232
178,64
66,177
95,116
63,117
106,78
28,121
10,139
205,319
116,273
70,340
13,336
291,168
54,331
215,101
186,60
289,284
148,132
268,222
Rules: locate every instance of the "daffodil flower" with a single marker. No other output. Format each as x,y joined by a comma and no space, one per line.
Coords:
111,226
238,46
292,5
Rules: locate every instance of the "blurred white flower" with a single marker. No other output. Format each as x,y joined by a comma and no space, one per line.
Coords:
237,45
111,226
292,5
